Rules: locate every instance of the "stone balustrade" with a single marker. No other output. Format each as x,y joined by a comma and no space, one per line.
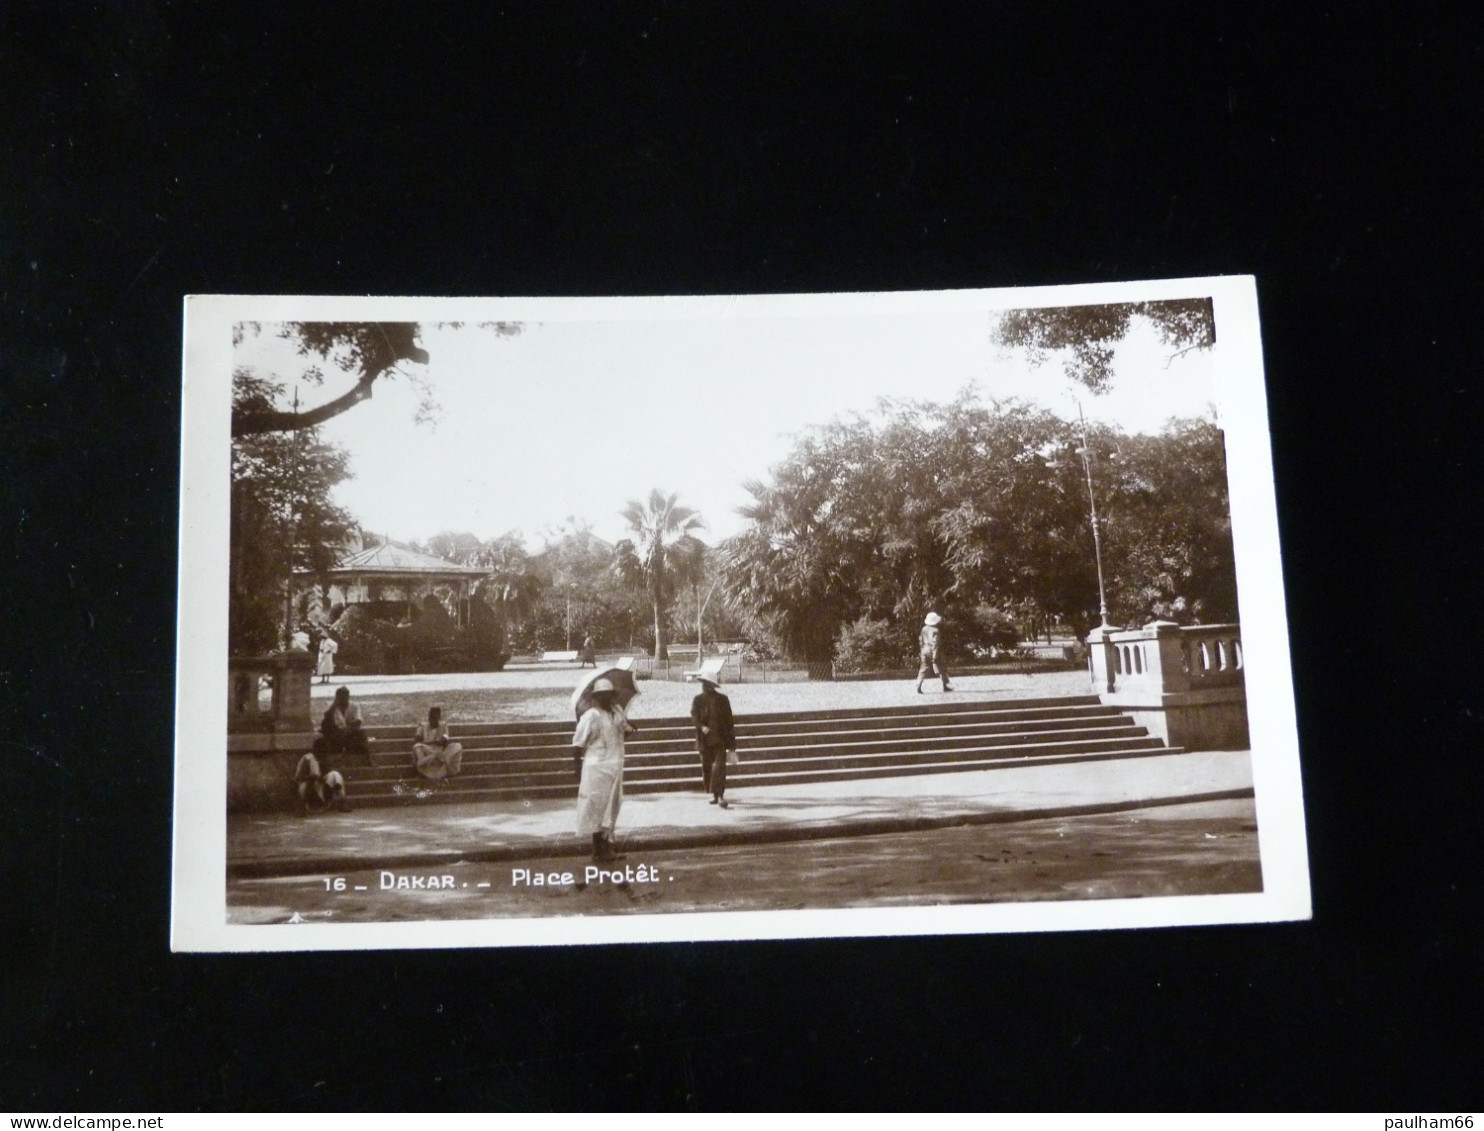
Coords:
1185,683
268,727
269,693
1164,656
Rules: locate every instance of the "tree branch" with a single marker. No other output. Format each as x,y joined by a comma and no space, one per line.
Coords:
1187,349
255,423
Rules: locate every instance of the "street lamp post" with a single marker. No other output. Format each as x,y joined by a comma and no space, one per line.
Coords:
701,612
1092,505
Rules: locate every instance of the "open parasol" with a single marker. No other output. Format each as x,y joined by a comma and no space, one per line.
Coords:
619,675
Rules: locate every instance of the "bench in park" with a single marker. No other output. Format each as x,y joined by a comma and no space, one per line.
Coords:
709,669
559,657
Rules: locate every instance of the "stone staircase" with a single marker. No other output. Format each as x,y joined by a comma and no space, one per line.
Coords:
527,760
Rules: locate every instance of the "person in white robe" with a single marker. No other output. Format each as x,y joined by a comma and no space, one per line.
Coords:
436,756
597,751
327,650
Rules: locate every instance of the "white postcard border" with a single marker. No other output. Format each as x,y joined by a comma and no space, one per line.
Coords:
198,914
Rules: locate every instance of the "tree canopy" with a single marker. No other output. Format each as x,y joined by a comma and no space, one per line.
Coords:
1085,336
510,585
282,520
582,594
454,546
975,511
358,352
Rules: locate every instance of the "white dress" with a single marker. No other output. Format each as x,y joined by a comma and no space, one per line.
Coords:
600,795
327,650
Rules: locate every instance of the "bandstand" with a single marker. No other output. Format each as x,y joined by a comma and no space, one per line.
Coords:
388,574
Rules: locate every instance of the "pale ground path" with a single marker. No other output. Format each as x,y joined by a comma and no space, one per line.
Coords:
541,692
536,828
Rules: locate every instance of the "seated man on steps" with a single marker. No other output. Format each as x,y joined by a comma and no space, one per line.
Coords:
340,731
435,755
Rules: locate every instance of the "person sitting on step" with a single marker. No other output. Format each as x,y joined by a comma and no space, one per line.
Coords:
435,755
320,789
340,731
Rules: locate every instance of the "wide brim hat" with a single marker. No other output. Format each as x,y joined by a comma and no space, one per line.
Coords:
708,679
932,619
602,685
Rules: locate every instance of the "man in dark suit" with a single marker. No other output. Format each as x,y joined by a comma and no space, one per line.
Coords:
711,711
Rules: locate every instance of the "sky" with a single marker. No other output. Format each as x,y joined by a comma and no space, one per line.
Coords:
569,419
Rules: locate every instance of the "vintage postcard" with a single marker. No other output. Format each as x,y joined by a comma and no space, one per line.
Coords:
515,621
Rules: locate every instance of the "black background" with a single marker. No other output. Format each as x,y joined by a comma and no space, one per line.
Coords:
153,150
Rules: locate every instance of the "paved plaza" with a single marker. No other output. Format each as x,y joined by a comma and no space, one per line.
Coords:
267,844
543,692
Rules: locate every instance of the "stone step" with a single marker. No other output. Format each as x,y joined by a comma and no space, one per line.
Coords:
1002,708
475,749
840,744
528,760
762,730
410,792
686,766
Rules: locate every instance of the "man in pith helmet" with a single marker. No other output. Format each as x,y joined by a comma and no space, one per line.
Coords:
711,711
930,644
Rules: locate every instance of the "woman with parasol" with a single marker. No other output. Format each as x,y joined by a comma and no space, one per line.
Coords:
597,753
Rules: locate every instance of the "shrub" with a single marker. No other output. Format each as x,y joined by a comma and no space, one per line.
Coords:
363,640
431,643
868,645
484,639
991,631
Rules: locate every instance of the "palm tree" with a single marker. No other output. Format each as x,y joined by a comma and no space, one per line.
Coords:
663,552
791,567
510,586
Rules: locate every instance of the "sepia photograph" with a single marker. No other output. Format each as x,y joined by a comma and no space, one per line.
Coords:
514,621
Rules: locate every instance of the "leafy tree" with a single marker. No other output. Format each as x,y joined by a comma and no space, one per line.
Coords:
791,568
663,553
1085,336
1015,524
459,547
358,352
581,593
282,521
969,505
890,474
700,611
1170,526
888,516
510,585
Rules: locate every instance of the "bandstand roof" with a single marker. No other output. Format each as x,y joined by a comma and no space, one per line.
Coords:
389,559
